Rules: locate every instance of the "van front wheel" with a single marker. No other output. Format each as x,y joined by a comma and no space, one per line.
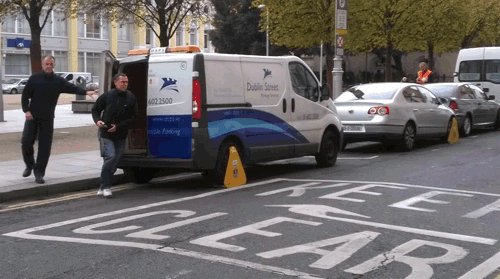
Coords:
328,152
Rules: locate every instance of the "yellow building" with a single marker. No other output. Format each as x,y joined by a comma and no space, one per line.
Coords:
77,42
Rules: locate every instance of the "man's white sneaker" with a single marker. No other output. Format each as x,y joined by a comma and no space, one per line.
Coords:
107,193
99,192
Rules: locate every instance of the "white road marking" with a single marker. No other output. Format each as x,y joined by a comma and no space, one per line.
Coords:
171,250
311,210
484,269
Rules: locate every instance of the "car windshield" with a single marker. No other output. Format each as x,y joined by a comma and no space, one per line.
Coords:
442,90
369,92
13,80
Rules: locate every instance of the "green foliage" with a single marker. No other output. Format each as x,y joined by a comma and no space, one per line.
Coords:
236,28
299,23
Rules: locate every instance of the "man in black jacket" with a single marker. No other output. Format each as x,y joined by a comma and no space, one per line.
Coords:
113,112
39,102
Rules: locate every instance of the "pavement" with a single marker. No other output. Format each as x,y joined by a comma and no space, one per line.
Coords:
65,172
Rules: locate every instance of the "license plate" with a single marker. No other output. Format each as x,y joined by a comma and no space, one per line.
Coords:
354,128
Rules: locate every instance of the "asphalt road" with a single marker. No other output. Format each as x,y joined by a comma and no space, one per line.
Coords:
429,213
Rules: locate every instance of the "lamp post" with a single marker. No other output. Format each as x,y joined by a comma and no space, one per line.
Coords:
262,7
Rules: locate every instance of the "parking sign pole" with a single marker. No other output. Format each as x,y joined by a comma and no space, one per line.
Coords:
340,32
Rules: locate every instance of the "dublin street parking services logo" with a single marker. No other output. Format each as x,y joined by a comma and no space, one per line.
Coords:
170,84
267,73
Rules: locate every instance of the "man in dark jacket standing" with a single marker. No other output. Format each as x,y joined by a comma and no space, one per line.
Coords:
39,102
113,112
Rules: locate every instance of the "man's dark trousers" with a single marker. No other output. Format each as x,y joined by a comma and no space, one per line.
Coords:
44,130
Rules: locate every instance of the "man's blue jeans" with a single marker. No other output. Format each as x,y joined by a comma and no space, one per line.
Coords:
111,152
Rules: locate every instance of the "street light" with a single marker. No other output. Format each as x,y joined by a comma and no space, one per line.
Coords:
262,7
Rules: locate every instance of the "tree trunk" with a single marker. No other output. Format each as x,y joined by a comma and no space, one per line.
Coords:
430,55
36,50
388,62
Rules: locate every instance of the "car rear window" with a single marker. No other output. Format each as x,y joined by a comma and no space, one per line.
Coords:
442,90
369,92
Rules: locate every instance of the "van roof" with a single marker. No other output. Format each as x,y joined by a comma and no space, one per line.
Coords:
158,50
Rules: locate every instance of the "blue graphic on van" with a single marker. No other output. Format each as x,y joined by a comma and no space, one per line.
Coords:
267,73
169,136
170,84
257,127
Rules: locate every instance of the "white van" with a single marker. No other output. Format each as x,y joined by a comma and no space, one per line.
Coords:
193,106
480,66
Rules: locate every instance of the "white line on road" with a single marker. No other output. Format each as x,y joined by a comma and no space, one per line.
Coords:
358,158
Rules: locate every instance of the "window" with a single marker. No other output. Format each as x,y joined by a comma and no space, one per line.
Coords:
9,24
23,26
179,35
466,93
60,24
124,32
479,94
92,26
17,64
303,82
93,63
492,71
428,96
148,35
470,71
412,95
193,33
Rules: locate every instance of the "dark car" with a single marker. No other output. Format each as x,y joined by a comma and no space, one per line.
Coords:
473,108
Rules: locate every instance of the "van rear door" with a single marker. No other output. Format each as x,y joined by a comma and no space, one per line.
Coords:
169,105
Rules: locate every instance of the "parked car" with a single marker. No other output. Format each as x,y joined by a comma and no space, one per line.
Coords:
393,113
14,86
473,107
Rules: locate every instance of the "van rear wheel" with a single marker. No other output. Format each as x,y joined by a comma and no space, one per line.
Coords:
218,174
139,175
328,152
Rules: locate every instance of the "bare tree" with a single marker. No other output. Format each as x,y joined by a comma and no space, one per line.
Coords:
162,17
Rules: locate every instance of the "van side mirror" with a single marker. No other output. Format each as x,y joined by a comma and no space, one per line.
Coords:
69,77
325,92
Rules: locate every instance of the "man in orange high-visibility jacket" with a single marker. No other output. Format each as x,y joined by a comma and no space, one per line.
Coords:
424,73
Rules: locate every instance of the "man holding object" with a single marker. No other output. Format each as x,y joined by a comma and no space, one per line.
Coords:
113,112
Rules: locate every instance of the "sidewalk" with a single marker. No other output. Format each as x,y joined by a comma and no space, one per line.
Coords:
65,172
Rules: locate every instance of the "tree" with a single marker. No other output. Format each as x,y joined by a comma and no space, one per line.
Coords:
301,24
162,17
379,24
36,13
478,24
433,28
236,27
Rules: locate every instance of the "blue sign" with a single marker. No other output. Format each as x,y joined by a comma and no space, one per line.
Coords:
18,43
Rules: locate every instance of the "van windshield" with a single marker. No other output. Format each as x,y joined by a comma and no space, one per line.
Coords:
470,70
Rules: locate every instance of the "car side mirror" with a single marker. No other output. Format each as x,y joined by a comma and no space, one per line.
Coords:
442,100
325,92
69,77
486,90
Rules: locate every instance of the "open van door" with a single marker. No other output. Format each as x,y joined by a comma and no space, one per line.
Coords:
109,67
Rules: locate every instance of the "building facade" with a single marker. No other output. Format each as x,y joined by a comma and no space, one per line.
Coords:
78,41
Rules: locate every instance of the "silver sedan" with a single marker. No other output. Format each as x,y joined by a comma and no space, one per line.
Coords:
393,112
474,109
